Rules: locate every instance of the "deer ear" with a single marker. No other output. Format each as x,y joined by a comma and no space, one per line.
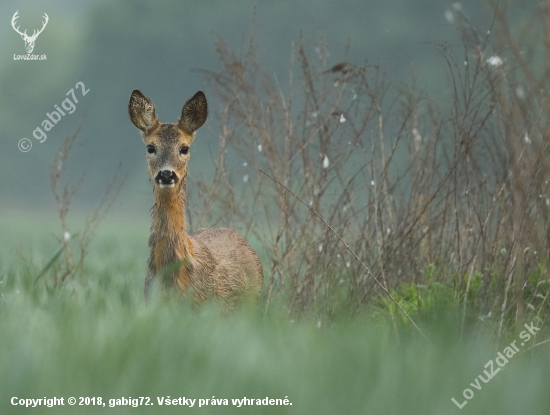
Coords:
194,113
142,112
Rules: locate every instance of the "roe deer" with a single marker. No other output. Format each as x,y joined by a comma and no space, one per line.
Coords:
211,263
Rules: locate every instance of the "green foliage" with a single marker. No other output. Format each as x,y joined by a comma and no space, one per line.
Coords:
95,336
427,301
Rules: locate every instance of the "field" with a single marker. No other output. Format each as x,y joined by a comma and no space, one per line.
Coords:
96,337
437,302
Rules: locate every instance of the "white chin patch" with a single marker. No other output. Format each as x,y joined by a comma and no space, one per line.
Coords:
166,186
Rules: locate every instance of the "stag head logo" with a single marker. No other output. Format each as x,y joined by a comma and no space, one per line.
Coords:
29,40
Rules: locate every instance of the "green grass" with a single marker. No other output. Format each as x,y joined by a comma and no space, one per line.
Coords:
95,337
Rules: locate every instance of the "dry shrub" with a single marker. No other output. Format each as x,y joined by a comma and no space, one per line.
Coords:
452,194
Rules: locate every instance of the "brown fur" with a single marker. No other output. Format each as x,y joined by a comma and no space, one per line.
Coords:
211,263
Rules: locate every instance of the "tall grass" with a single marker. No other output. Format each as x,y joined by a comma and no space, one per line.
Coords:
95,337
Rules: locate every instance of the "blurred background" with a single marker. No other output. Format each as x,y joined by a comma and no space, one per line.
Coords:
115,47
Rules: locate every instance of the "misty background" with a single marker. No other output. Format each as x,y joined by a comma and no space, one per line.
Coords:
160,48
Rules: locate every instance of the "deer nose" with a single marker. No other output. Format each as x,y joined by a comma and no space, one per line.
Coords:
166,178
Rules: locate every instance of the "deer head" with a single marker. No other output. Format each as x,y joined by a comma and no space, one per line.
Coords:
29,40
167,145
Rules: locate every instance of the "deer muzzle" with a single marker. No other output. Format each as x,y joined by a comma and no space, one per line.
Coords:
166,179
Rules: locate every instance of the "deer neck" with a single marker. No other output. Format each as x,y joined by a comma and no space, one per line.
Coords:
169,242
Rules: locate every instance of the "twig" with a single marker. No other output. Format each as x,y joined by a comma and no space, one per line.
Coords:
351,251
536,345
54,258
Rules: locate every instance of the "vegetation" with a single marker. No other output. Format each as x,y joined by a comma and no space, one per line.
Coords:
444,201
94,336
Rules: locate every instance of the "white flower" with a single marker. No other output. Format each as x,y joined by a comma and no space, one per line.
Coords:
526,139
494,61
66,236
245,164
245,178
320,248
260,148
326,162
342,118
449,16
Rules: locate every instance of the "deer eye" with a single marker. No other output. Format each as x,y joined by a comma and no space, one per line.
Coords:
151,149
184,150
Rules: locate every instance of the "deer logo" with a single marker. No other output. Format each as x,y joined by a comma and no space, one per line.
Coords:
29,40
